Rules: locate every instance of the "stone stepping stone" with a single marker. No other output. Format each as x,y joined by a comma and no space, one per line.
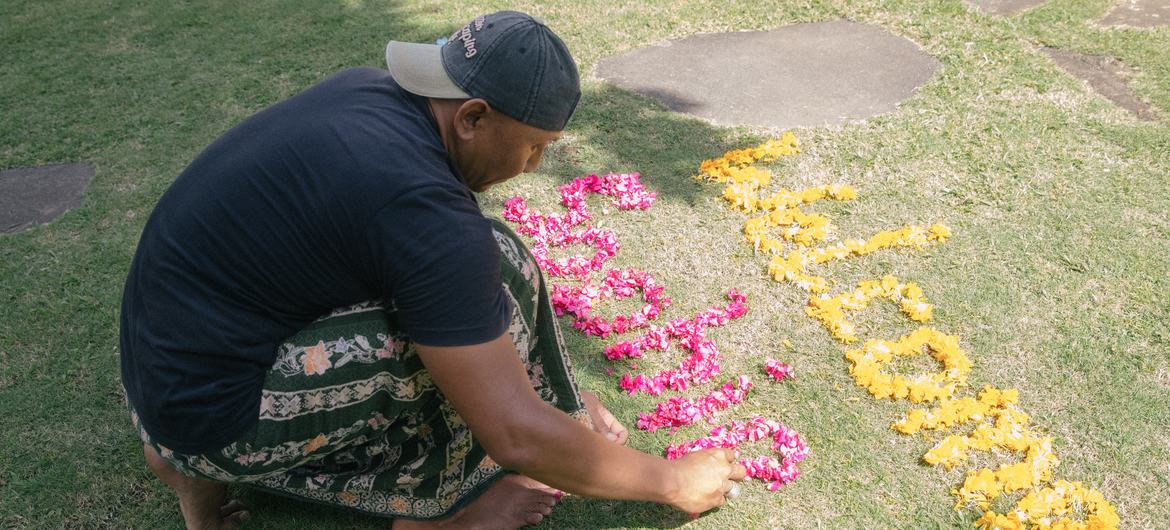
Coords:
803,75
1107,77
1138,14
34,195
1004,8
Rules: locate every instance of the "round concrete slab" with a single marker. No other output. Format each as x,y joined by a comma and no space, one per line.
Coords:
1004,8
34,195
804,75
1138,14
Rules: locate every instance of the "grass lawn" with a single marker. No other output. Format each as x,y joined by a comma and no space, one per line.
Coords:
1056,277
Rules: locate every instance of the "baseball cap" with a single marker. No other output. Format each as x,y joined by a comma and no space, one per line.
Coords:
510,59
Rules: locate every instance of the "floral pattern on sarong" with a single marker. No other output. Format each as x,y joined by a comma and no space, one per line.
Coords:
280,406
291,358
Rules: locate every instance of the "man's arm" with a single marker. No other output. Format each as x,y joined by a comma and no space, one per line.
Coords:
488,386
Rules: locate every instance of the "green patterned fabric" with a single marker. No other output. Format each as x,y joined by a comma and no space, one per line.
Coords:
349,416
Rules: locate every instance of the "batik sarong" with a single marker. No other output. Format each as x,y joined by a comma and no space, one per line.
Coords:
349,416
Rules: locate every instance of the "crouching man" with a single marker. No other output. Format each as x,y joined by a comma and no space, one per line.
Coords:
318,308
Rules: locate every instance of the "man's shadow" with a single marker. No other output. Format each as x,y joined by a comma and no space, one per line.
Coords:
274,511
584,513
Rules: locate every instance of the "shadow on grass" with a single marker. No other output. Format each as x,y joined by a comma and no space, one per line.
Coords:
275,511
589,514
636,133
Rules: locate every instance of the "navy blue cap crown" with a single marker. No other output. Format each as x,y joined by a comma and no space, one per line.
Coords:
518,65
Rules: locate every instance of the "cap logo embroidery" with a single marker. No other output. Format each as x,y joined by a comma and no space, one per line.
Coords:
465,36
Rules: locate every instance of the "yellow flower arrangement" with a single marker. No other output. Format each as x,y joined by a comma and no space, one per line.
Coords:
791,268
954,411
867,362
984,485
1001,424
1046,509
1010,432
721,169
830,311
1010,428
744,183
799,227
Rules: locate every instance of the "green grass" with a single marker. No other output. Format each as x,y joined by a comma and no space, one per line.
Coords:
1056,278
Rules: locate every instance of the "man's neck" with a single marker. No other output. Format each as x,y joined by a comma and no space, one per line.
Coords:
440,115
443,114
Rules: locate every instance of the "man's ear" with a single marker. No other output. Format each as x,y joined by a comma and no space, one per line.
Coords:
469,118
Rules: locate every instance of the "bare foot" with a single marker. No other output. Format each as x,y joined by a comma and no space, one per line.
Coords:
512,502
604,422
204,503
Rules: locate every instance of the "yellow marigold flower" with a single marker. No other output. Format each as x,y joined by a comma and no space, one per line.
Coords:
912,423
842,192
977,488
1015,476
995,521
940,232
949,452
910,236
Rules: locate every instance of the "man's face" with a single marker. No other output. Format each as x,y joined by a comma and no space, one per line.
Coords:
503,149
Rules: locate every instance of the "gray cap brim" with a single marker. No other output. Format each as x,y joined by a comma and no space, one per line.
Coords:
418,68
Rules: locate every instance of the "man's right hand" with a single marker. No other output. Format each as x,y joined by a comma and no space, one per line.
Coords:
705,478
489,387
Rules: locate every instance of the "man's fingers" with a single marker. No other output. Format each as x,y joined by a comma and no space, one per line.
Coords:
615,431
622,434
616,428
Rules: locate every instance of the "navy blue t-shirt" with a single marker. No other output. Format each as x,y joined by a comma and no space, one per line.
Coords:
341,194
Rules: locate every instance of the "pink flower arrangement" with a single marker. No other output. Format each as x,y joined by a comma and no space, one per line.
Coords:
702,365
680,411
698,368
578,300
551,231
785,442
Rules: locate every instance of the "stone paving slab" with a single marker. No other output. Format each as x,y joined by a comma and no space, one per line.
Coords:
1138,14
35,195
1107,76
1005,8
803,75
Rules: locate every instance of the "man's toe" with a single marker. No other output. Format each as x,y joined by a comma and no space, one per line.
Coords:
236,519
231,507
